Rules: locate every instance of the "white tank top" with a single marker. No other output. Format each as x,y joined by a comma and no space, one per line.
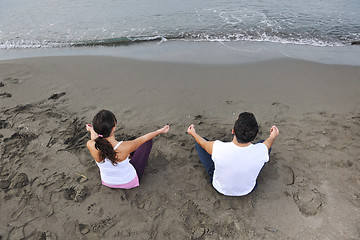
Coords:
122,173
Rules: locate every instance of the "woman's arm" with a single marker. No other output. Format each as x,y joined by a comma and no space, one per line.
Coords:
93,151
93,134
91,143
131,146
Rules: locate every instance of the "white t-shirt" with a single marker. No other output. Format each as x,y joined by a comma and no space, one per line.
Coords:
236,168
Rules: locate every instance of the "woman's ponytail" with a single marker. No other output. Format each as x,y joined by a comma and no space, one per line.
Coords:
103,123
106,150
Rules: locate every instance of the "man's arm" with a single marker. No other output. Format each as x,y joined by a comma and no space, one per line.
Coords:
207,145
274,132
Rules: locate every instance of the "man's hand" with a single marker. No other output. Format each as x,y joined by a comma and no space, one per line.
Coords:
191,130
274,132
207,145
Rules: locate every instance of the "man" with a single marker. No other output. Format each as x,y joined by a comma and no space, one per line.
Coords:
234,166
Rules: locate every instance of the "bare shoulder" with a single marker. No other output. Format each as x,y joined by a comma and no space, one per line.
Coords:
125,146
123,151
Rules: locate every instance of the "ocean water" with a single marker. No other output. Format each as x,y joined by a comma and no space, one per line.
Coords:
68,23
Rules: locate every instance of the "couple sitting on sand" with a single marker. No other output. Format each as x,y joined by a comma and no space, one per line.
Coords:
233,167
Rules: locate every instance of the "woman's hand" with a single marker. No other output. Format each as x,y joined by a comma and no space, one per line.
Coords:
93,134
164,129
89,127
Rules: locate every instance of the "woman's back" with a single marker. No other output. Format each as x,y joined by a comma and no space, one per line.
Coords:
119,173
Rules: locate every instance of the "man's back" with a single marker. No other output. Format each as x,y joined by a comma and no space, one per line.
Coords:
236,168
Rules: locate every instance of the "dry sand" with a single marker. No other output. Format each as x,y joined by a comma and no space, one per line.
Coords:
50,186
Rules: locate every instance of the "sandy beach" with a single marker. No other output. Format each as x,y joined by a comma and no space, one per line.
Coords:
50,186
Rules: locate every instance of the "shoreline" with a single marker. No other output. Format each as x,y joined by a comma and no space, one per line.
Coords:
203,52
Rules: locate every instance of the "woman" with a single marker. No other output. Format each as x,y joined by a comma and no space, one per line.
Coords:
118,169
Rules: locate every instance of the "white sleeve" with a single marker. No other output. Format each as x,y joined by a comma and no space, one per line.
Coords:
216,150
266,152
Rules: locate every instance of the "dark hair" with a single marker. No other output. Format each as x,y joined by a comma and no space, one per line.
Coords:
103,123
246,127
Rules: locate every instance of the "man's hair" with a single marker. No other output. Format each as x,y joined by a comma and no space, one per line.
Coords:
246,127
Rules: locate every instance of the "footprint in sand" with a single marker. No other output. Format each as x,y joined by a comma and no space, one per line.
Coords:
12,80
309,202
4,184
353,190
3,124
20,180
103,224
5,95
57,95
288,177
84,229
76,193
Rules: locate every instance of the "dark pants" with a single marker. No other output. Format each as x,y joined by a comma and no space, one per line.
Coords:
206,160
140,157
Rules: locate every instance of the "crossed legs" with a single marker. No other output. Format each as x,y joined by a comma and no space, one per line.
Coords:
140,158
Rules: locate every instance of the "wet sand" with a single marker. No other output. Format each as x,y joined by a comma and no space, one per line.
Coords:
50,186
